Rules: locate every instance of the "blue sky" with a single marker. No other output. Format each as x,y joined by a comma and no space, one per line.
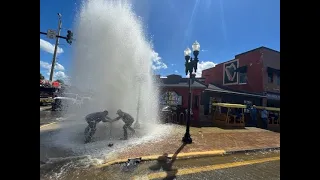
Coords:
223,28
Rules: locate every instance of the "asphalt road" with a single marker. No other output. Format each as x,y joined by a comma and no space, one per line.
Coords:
245,166
62,143
267,170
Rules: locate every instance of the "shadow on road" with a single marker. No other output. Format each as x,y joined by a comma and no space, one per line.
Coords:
166,164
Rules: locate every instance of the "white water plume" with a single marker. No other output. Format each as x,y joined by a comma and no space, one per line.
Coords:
113,59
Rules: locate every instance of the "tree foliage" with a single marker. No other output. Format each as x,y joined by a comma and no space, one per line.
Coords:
41,77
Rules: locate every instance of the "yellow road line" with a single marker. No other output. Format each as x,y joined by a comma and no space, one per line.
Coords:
47,125
209,168
179,156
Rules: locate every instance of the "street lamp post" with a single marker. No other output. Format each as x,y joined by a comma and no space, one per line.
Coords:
190,65
140,80
137,124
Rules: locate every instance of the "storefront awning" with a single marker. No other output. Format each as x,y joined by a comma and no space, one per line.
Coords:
273,96
214,88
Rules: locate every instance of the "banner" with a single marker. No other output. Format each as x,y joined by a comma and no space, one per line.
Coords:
170,98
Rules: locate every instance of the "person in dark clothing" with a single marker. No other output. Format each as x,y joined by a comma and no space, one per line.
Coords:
253,114
128,120
93,119
264,118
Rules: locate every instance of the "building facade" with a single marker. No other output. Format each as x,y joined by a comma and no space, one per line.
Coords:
174,91
256,71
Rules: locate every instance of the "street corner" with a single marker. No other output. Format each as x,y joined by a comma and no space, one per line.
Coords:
165,155
188,155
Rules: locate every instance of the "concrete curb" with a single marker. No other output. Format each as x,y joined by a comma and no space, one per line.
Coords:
179,156
45,108
188,155
253,150
45,125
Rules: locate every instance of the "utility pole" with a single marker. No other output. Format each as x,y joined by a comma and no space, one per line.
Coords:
55,48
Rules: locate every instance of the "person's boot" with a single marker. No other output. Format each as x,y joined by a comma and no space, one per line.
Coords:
125,134
124,138
132,131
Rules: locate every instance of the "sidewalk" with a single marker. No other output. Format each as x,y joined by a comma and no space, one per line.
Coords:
211,139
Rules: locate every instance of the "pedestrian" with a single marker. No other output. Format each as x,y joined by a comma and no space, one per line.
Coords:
93,119
128,120
264,118
253,114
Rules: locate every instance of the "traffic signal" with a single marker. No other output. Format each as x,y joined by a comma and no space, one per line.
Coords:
69,37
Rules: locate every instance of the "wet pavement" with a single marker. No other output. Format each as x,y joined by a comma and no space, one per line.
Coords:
66,137
63,155
47,116
246,166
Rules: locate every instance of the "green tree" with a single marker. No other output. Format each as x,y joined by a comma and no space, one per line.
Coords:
41,77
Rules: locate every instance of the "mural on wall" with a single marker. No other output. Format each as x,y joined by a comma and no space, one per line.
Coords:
230,76
170,98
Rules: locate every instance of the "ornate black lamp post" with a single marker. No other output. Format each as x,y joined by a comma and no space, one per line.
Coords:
137,123
190,65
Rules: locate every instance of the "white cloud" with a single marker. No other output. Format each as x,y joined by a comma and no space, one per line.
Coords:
48,47
47,66
59,74
173,64
202,66
157,62
176,71
163,76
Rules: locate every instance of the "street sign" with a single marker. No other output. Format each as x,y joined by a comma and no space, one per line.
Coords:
51,34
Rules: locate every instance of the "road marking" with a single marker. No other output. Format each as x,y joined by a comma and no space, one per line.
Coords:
45,125
45,108
179,156
206,168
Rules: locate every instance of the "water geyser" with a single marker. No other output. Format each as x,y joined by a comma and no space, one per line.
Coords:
112,58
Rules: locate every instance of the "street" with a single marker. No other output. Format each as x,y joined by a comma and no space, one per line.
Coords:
267,170
264,168
246,166
65,137
63,155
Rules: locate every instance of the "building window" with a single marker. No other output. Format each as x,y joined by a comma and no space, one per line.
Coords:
270,77
278,80
243,78
196,102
